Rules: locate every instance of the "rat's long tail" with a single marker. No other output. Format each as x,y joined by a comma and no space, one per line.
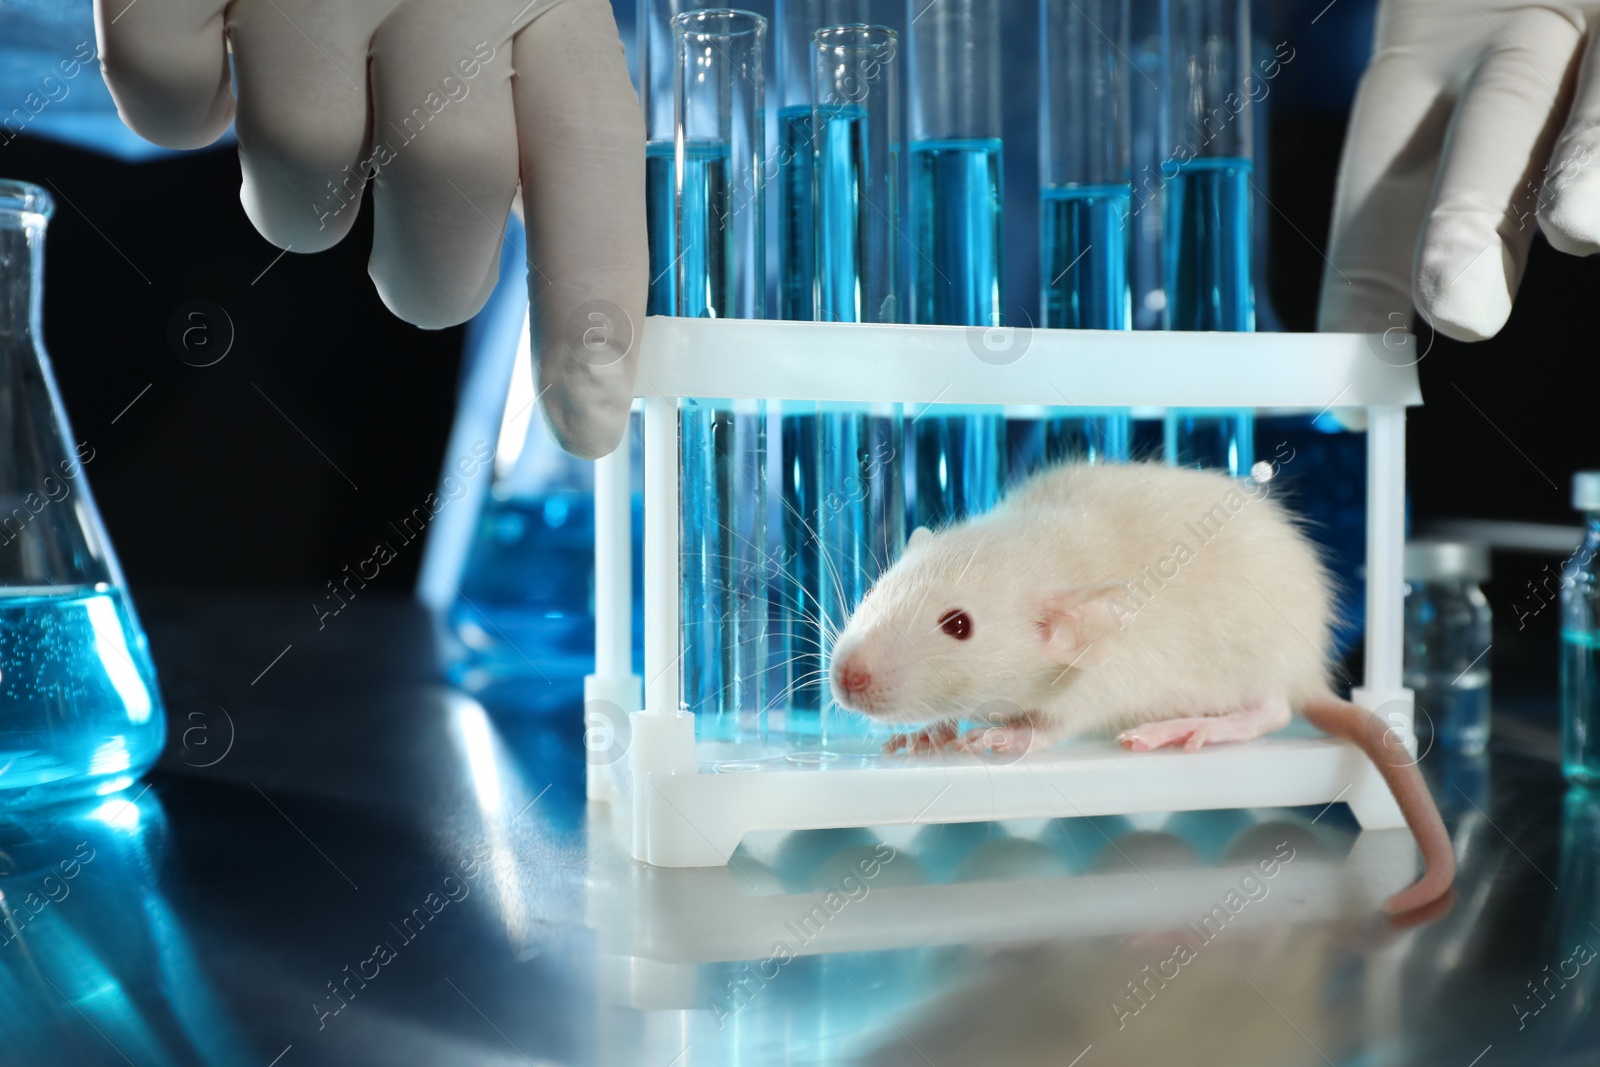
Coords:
1358,725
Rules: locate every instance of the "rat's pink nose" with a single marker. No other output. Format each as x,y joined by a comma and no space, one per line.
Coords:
854,678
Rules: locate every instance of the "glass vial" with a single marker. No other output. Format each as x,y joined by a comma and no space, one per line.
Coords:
1085,197
1447,635
1580,641
861,513
1207,194
719,260
956,181
79,709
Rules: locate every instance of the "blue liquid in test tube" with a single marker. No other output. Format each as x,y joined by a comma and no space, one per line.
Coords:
956,165
861,510
797,583
1085,198
1207,212
660,203
796,222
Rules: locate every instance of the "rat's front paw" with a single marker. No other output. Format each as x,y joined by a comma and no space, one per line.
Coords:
929,739
1012,739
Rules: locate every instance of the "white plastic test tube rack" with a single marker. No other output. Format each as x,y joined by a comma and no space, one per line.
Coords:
686,812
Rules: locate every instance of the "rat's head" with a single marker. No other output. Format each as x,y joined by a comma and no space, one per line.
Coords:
957,625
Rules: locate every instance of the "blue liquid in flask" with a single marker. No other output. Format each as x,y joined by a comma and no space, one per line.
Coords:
1208,288
1084,240
79,708
955,201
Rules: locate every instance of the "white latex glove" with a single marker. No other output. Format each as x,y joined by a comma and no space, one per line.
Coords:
452,102
1476,121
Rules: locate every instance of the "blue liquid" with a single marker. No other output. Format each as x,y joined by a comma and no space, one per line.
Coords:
660,206
796,585
724,567
860,523
722,532
1580,704
1085,248
955,203
856,234
1457,706
79,708
1208,246
795,235
1084,239
526,610
705,212
1208,288
861,511
1205,438
960,466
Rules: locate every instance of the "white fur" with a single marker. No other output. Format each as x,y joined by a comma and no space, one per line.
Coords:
1245,619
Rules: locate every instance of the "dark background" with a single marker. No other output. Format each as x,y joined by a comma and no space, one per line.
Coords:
209,478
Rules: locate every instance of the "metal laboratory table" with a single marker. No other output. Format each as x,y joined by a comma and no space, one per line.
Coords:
342,860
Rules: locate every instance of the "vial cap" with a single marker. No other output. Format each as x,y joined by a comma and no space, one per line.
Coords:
1586,490
1440,561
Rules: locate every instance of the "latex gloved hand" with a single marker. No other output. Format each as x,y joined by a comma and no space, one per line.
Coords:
1476,121
444,106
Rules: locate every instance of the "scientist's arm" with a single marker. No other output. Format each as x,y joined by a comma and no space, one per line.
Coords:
444,107
1475,123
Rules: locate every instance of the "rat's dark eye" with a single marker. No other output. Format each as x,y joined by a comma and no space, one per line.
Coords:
956,623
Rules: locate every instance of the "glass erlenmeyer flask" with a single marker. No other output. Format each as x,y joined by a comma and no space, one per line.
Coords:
79,708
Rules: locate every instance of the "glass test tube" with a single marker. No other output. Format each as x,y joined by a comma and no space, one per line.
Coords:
657,76
1207,193
856,116
797,585
1085,198
719,262
955,163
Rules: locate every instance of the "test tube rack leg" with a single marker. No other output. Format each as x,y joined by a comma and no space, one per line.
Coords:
685,812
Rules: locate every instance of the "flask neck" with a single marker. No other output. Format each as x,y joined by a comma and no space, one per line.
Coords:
21,275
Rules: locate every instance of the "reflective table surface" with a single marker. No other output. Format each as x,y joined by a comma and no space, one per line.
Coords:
342,860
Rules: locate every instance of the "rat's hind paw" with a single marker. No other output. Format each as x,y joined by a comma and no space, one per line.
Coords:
1247,723
929,739
1160,734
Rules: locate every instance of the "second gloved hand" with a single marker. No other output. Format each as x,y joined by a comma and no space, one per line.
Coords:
1477,122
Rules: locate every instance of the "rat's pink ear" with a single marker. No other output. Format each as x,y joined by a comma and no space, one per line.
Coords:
1081,627
919,535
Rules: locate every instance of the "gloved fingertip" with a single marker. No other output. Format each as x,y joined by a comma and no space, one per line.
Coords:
318,230
587,433
422,303
1467,301
1571,223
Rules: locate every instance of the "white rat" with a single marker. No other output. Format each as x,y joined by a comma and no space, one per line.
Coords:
1175,606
